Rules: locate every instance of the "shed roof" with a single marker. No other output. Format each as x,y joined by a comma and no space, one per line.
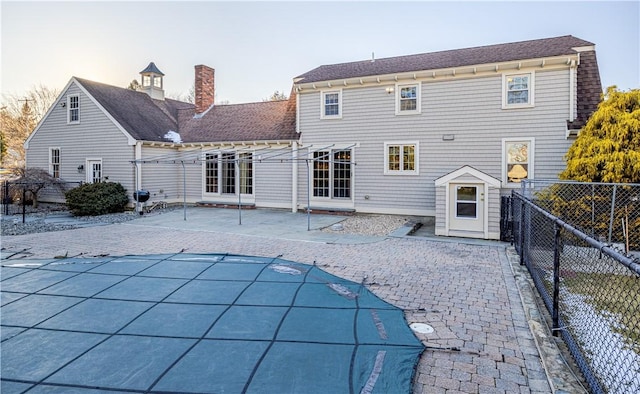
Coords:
531,49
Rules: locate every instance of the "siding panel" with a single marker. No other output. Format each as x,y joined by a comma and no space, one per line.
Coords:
469,109
95,137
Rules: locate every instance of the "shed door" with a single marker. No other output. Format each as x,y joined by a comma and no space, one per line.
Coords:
466,207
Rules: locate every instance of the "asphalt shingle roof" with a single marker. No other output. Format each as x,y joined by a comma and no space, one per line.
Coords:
532,49
264,121
147,119
141,116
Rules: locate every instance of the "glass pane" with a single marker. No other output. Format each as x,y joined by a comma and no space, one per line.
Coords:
466,193
408,105
320,174
466,210
394,158
330,110
211,173
518,97
246,173
517,152
228,173
408,92
342,174
409,158
331,98
517,172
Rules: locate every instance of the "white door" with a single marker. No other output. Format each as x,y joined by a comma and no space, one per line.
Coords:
466,207
94,171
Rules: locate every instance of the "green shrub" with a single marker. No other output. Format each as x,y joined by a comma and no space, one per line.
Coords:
97,199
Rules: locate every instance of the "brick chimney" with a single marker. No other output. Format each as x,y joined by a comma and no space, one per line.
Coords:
204,88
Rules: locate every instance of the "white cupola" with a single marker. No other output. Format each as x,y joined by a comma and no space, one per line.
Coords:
151,82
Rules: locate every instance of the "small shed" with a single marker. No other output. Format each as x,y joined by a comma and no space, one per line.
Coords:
468,204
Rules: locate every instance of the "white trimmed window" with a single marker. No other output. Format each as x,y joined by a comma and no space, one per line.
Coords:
220,176
331,105
54,162
517,160
332,174
401,158
408,99
73,109
211,172
517,90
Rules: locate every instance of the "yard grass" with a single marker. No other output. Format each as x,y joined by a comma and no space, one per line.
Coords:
613,295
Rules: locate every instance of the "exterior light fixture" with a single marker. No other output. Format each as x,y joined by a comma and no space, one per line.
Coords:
389,90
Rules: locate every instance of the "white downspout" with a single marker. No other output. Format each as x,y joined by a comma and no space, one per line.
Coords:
138,156
294,161
294,179
572,91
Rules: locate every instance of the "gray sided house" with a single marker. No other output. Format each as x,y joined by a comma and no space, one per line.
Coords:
175,150
444,134
441,134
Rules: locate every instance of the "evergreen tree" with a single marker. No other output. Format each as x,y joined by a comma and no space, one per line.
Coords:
608,146
134,85
276,96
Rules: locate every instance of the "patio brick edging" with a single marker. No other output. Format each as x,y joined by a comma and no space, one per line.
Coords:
559,374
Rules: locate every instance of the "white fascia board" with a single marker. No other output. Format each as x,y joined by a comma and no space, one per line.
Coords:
485,178
585,48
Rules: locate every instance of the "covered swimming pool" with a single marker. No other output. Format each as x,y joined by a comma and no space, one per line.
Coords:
197,323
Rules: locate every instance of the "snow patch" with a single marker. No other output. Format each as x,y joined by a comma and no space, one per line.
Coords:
173,136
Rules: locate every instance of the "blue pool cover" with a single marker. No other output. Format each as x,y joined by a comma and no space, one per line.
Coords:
197,323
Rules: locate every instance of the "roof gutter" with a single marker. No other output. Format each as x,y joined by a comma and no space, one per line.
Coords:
219,144
462,71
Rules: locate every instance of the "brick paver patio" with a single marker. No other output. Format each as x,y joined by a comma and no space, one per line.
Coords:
467,293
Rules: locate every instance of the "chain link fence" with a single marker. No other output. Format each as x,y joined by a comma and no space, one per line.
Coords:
590,287
608,212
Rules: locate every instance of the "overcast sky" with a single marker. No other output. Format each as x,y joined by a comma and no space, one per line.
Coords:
257,48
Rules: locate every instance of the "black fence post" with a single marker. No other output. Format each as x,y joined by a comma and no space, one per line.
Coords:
522,215
556,279
24,205
5,197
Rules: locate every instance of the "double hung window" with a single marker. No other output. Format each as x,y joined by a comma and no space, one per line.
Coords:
517,160
54,162
517,90
408,99
73,109
331,104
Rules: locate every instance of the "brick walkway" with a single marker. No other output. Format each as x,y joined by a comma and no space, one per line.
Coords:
467,293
